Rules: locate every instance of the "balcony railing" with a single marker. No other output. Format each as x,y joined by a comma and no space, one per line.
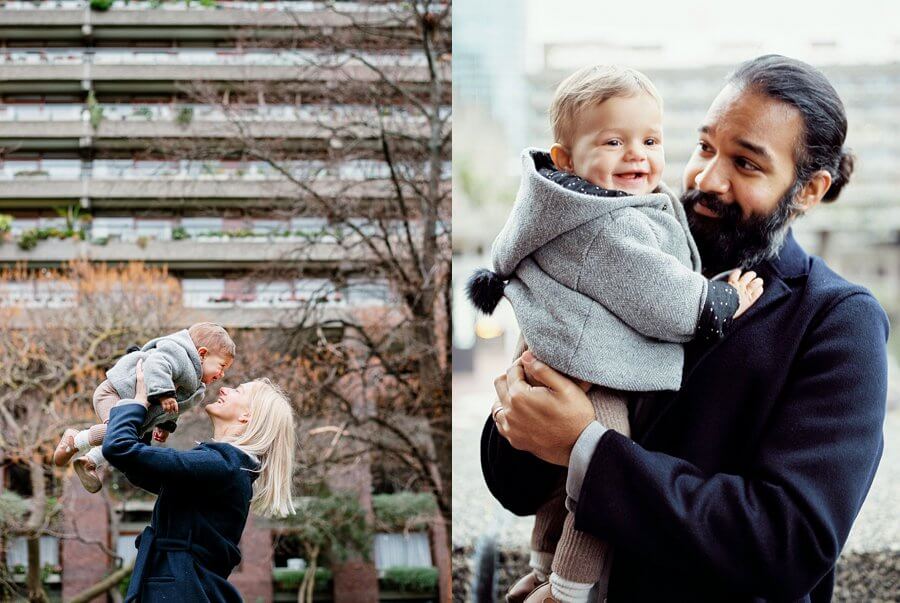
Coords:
125,169
218,293
195,57
254,6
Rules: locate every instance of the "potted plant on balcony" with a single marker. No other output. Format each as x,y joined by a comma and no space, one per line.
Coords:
5,227
184,116
144,112
101,5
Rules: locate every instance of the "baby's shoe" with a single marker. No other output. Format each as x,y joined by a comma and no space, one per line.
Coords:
541,594
65,450
523,587
87,473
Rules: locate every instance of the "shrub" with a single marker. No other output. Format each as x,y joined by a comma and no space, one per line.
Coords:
179,233
403,510
290,579
101,5
410,579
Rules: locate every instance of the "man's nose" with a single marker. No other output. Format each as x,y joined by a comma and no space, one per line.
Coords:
711,180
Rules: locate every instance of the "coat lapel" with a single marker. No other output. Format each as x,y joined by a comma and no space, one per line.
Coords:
792,262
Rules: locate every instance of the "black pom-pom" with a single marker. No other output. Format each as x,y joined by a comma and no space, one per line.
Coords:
133,348
485,289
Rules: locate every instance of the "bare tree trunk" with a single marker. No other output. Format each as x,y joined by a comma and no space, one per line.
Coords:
311,573
36,593
108,583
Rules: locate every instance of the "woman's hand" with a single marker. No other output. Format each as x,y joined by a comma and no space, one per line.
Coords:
545,419
140,388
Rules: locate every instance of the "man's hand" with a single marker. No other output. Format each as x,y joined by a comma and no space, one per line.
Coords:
169,405
160,435
749,288
545,419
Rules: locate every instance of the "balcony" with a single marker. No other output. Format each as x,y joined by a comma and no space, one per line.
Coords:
177,21
313,129
126,183
230,303
168,70
186,244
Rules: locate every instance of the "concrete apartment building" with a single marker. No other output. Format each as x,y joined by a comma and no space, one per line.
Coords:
84,94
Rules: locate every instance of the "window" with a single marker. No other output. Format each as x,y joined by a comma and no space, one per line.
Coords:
405,550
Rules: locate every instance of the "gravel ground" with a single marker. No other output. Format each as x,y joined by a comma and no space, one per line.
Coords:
869,569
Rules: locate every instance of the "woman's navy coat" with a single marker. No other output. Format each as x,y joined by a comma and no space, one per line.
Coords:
743,486
191,544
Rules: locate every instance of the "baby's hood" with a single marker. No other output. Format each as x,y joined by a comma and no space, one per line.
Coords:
545,210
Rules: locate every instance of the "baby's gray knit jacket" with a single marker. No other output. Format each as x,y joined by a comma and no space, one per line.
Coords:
171,364
604,289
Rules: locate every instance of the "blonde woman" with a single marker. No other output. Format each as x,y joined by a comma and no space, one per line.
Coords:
191,545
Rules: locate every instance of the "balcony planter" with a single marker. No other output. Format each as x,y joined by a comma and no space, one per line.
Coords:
32,174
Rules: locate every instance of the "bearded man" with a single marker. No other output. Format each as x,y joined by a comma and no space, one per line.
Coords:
743,485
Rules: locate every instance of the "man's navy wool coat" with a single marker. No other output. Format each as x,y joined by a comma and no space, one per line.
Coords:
743,486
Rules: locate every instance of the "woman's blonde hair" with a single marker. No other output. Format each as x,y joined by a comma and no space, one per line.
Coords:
269,437
590,86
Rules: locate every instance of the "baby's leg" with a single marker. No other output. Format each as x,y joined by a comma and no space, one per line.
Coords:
74,441
548,527
105,397
581,560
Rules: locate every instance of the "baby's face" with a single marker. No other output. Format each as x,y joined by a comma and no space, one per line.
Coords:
617,144
213,365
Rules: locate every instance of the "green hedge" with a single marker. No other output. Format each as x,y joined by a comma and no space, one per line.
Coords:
410,579
403,510
290,579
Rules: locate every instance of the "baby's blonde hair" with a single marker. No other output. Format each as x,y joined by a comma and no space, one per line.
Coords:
213,337
590,86
269,437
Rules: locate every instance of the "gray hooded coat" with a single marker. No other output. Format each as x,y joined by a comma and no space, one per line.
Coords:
171,366
604,289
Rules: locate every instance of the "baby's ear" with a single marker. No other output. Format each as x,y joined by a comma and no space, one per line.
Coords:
561,157
203,352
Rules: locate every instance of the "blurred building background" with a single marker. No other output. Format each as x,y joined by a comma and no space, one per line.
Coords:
686,49
110,117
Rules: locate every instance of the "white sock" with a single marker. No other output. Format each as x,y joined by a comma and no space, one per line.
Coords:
82,440
540,562
95,454
566,591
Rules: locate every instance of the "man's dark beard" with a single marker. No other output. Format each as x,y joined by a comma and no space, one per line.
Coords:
732,241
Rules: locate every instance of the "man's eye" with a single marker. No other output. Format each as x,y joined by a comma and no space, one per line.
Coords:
704,147
744,164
